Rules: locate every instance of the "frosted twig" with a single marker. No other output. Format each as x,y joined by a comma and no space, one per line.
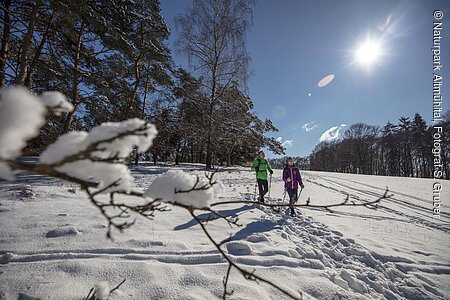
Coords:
369,204
93,296
146,210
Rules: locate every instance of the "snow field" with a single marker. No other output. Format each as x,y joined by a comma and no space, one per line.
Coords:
396,252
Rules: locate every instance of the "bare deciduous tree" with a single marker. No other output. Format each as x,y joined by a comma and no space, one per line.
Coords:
212,36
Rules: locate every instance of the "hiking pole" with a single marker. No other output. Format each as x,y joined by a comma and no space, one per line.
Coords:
254,198
282,201
270,184
298,197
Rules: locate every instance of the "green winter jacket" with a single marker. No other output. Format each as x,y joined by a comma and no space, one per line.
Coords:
263,166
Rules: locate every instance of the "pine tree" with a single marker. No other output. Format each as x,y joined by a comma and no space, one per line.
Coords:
389,150
404,136
419,146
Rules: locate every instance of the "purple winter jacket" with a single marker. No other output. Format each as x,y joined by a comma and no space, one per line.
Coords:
294,174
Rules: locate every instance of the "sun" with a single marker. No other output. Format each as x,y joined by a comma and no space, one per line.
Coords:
368,52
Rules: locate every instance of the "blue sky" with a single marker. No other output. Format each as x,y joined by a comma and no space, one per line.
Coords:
294,44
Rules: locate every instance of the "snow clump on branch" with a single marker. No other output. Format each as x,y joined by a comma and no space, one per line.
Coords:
22,114
108,140
100,153
176,186
56,102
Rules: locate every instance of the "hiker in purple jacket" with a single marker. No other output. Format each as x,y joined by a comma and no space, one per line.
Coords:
292,179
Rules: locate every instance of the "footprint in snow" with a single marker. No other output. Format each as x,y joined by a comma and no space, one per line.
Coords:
62,231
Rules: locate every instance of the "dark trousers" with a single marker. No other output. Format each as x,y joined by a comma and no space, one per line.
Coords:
263,187
293,197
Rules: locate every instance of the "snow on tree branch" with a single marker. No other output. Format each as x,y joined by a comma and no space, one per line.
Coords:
118,213
98,155
22,114
102,291
101,153
101,172
56,102
178,187
111,141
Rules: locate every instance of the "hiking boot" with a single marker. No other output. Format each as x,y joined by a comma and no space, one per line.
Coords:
293,212
261,199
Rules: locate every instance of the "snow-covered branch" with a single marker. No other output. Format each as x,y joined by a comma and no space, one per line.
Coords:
21,116
91,159
184,190
118,213
101,291
101,153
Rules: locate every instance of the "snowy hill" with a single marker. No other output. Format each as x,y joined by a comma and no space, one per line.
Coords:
53,244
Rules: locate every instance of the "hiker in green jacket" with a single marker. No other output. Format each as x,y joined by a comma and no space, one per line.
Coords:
261,166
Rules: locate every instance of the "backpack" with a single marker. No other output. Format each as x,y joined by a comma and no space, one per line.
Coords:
259,163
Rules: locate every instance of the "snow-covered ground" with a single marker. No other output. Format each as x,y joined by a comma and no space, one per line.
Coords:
53,244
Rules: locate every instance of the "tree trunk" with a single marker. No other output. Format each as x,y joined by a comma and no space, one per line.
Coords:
20,78
145,98
229,154
38,51
137,75
177,154
208,160
76,71
210,120
155,157
200,154
136,157
5,44
136,86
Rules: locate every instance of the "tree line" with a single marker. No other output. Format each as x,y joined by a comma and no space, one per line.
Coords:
402,149
112,60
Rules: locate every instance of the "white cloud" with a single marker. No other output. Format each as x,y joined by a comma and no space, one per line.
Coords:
332,134
309,126
286,143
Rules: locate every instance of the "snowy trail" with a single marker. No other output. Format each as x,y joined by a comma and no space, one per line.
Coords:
370,271
348,264
415,213
361,271
420,209
115,254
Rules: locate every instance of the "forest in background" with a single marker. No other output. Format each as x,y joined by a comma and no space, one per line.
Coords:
403,149
112,61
